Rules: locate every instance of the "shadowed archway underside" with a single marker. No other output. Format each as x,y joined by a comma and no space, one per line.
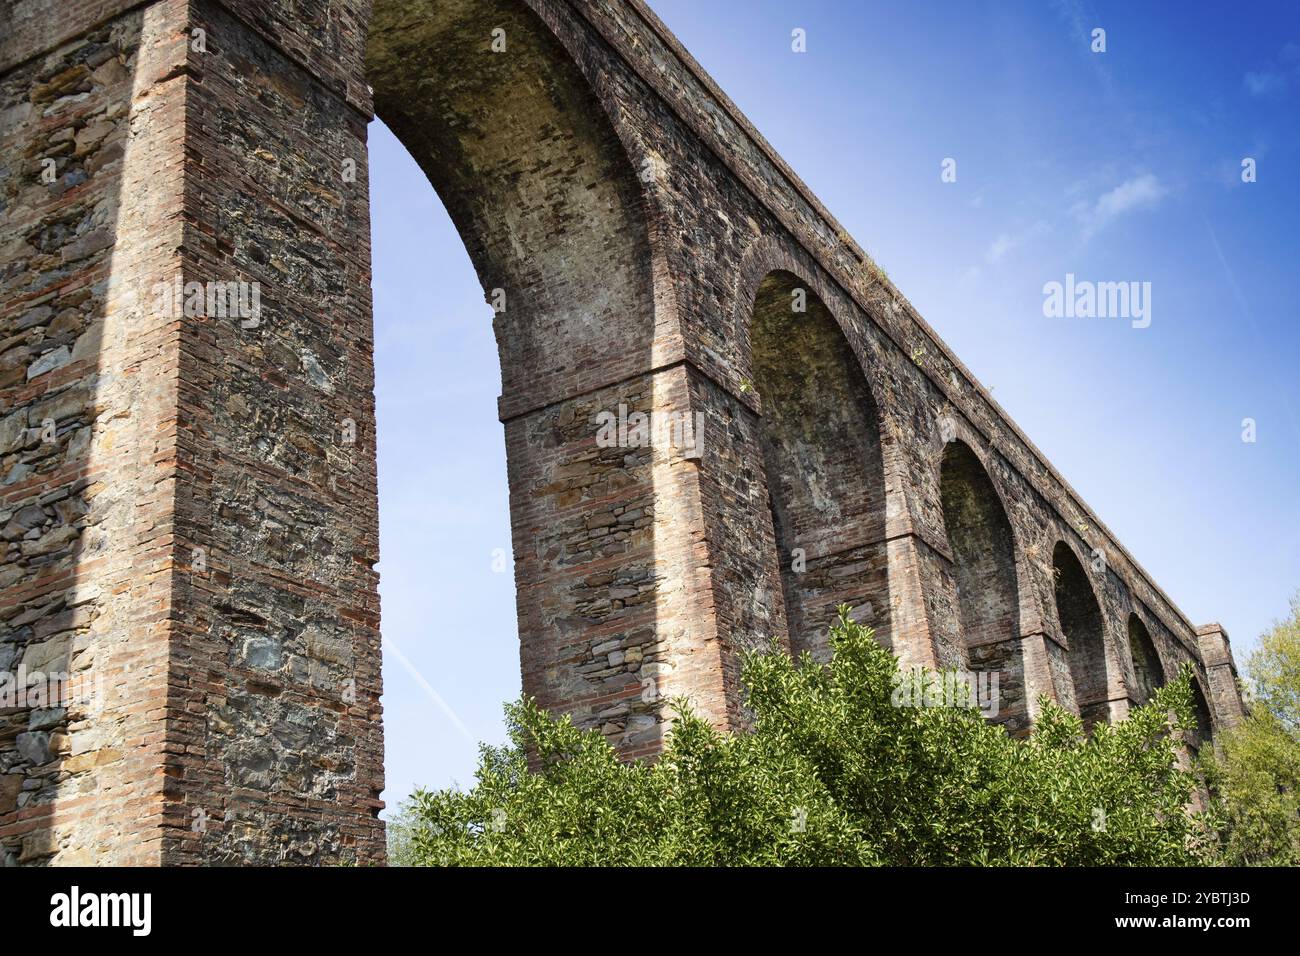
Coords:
1081,622
510,134
822,458
1148,672
984,574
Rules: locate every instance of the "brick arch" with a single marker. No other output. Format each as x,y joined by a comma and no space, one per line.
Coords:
823,462
553,194
1148,668
949,424
764,256
984,572
1083,626
548,200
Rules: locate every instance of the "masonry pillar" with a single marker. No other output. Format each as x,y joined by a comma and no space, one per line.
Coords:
92,129
188,495
1221,674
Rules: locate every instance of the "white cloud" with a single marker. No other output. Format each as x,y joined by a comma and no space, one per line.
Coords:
1141,192
1005,242
1001,246
1264,83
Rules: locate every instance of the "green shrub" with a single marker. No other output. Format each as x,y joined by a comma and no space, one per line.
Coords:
1255,775
832,773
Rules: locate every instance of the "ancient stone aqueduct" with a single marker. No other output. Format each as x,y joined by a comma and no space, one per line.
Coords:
190,527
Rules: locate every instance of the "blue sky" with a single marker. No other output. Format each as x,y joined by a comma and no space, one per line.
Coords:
1115,166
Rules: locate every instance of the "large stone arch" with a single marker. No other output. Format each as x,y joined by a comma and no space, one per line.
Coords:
1148,669
823,462
553,194
533,173
984,562
265,481
1083,626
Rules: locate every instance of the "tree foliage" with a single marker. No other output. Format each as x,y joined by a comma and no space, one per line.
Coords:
832,773
1255,776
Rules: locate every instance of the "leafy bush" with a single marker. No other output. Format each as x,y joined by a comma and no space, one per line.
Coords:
832,773
1255,776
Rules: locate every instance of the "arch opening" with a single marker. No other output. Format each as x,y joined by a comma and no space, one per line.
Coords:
984,577
528,165
1148,672
1081,622
523,155
820,436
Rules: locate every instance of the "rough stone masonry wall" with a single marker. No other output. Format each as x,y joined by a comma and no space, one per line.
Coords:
90,174
275,676
190,550
188,503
